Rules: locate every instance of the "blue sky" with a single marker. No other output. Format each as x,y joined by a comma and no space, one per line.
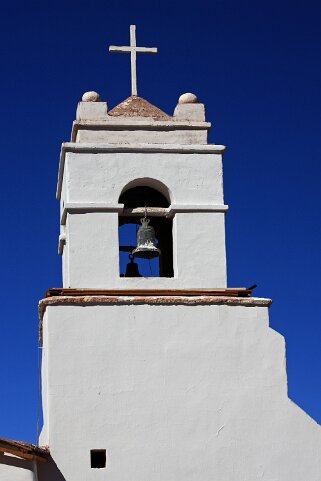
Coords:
256,66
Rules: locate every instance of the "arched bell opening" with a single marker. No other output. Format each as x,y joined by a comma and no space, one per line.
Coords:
147,185
145,202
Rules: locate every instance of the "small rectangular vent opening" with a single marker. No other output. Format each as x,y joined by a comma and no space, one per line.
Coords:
98,458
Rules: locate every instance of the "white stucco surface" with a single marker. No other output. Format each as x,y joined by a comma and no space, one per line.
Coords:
190,111
93,110
190,178
136,136
92,259
172,392
15,469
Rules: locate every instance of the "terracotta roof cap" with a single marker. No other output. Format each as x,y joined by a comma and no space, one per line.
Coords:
137,107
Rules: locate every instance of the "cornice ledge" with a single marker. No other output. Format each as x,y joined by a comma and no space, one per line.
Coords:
143,121
114,123
165,300
84,207
90,300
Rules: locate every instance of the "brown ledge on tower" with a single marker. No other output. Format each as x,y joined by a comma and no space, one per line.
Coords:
227,292
24,450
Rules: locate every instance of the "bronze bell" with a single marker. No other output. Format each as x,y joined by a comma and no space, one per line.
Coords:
132,268
146,248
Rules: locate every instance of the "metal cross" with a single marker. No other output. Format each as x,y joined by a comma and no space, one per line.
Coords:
133,50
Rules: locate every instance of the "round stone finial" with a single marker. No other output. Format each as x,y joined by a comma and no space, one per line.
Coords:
91,97
187,98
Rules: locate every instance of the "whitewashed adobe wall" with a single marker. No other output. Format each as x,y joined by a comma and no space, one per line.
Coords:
173,392
15,469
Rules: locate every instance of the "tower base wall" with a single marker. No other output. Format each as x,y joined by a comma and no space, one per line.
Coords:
171,392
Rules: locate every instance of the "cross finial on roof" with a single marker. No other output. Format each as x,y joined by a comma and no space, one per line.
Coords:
133,50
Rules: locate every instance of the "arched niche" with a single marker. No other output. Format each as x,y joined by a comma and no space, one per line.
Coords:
137,196
148,182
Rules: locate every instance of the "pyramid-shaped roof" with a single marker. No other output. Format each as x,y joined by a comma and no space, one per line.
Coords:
137,107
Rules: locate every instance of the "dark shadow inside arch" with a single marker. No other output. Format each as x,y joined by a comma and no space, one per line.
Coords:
162,266
143,197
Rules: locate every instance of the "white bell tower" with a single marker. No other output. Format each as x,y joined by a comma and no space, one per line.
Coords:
137,145
160,377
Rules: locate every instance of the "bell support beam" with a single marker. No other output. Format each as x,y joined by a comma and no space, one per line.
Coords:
80,208
150,211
